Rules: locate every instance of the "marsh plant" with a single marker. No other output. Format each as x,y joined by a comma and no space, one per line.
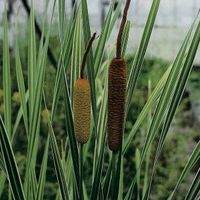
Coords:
95,90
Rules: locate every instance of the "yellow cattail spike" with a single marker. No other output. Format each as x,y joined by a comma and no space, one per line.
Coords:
82,101
116,102
82,110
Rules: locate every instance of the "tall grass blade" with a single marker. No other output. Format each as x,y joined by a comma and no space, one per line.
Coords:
115,15
31,61
10,164
21,86
195,156
102,41
139,57
125,37
42,176
58,165
90,60
177,75
76,54
70,131
168,90
64,60
150,102
2,167
6,75
102,135
194,188
61,18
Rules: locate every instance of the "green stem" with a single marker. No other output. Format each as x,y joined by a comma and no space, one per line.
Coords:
114,155
81,173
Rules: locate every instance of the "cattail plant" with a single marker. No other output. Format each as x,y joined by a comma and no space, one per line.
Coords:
81,102
73,170
117,91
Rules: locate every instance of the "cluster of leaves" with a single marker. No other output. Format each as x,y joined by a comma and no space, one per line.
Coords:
107,173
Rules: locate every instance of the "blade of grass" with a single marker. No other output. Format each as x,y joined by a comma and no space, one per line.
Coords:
58,165
42,176
6,75
115,15
107,181
151,101
10,164
194,188
33,141
18,118
90,60
76,54
21,86
139,57
61,17
168,90
178,73
195,156
138,171
97,170
184,74
31,61
148,156
125,37
70,131
2,167
64,60
102,41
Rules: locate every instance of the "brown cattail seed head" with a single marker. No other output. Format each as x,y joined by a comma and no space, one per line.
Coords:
116,102
81,103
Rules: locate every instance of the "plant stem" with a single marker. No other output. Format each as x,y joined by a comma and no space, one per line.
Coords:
121,29
86,53
81,173
114,154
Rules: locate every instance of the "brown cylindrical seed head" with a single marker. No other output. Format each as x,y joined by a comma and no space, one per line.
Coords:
116,102
81,103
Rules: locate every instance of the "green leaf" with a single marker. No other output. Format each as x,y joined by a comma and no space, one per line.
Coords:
102,41
70,131
32,71
194,158
100,148
6,75
169,90
107,181
42,176
61,17
58,164
2,167
125,37
194,188
76,53
21,86
143,114
90,60
138,171
10,164
64,60
140,54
